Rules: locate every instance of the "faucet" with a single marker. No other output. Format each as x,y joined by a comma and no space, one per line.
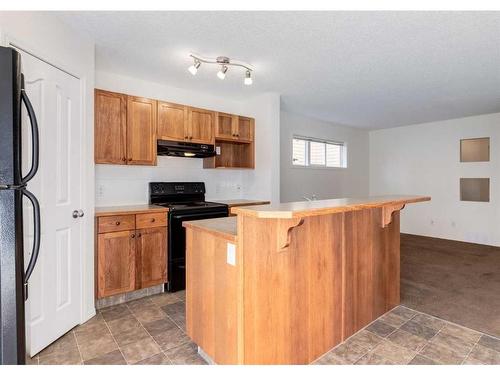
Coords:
313,198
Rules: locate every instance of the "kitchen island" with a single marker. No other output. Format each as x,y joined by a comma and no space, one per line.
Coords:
285,283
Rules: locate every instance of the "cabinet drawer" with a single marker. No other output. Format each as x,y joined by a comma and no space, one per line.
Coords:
116,223
157,219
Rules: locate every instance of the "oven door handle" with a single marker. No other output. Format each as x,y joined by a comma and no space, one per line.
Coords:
195,215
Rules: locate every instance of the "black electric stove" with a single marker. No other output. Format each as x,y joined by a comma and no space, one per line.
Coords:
185,201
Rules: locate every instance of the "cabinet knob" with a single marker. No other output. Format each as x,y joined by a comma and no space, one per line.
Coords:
186,137
153,220
129,159
139,235
124,159
133,236
117,223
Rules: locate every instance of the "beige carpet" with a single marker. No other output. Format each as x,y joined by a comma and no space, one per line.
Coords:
455,281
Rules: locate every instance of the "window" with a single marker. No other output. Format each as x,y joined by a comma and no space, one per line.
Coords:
309,152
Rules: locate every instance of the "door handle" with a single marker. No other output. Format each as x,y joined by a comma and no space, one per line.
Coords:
36,239
77,213
34,135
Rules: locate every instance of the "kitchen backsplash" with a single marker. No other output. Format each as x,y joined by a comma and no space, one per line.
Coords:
124,185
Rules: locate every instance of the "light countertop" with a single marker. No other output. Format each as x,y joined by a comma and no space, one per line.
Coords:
240,202
129,210
323,207
224,227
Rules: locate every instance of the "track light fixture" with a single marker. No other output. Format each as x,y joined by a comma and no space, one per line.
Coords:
224,62
222,72
193,69
248,78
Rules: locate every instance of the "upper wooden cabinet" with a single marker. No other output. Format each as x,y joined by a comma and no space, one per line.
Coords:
245,129
172,121
182,123
234,128
225,126
201,125
125,129
141,131
110,136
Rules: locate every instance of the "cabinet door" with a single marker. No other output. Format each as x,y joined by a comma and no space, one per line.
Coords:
110,116
151,256
201,125
226,126
245,130
115,263
172,121
141,131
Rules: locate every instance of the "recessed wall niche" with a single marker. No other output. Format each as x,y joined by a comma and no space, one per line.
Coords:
475,149
475,189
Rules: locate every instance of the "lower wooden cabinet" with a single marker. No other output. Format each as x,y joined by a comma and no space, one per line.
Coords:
116,263
130,259
151,257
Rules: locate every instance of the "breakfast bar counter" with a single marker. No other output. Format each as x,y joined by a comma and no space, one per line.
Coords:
285,283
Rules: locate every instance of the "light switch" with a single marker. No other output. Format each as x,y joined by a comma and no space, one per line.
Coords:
217,150
231,254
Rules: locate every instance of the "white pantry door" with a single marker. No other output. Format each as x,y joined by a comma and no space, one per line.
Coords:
55,287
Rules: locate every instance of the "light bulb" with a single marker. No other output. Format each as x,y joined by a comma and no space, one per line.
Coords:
248,78
222,72
193,69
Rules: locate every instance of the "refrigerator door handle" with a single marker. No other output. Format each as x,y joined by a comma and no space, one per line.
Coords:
34,136
36,239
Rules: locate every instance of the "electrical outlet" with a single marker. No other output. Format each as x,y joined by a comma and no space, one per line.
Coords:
231,254
100,190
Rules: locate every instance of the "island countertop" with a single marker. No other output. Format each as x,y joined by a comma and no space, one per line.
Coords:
241,202
224,227
322,207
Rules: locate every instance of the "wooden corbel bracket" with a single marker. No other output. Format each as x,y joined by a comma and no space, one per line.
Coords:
387,212
284,230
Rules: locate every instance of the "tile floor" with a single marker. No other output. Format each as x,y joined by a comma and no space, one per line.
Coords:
152,331
148,331
405,336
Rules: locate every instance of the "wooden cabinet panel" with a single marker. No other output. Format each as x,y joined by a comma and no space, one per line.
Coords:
116,223
110,127
225,125
151,256
245,129
116,263
151,220
172,121
141,131
201,125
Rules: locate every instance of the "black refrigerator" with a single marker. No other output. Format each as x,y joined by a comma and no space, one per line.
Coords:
13,189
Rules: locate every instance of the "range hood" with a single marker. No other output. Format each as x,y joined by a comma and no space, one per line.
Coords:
185,149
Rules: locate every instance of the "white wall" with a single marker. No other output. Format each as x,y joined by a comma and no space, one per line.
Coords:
297,182
424,159
116,185
47,37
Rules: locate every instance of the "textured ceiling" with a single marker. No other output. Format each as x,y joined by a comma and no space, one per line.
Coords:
364,69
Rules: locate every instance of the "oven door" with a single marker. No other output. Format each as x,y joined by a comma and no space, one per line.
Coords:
176,261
